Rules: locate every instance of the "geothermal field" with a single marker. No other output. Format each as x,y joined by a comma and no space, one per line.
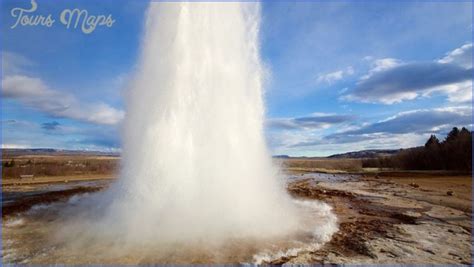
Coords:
195,182
352,215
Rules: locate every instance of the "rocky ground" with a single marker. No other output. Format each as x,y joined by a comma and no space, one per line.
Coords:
393,218
396,218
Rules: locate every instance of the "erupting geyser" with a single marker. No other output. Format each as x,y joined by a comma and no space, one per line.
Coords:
197,184
195,162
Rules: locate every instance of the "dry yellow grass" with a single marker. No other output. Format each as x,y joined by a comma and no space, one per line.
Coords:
58,165
322,165
56,179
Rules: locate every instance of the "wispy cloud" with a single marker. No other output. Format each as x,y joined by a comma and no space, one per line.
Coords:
34,92
53,134
416,121
334,76
50,126
405,129
13,63
313,121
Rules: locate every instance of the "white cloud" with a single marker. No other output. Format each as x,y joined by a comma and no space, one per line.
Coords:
33,92
14,146
402,130
19,86
285,133
392,81
456,92
14,63
460,56
381,64
36,93
414,121
318,146
334,76
385,64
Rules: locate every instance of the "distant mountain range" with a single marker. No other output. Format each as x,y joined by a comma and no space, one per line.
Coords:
281,156
370,153
51,151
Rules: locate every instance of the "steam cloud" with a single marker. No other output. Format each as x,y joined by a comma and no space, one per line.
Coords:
195,168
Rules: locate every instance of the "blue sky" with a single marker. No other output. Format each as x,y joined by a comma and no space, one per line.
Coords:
344,76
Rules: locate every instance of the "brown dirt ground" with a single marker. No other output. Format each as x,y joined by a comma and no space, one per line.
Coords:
398,218
383,218
54,179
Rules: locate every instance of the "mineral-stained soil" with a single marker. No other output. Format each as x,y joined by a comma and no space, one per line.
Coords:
29,201
402,218
385,218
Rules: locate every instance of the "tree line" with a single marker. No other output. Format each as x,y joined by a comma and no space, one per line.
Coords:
454,153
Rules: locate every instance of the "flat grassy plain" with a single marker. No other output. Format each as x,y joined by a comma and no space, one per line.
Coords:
57,168
326,165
